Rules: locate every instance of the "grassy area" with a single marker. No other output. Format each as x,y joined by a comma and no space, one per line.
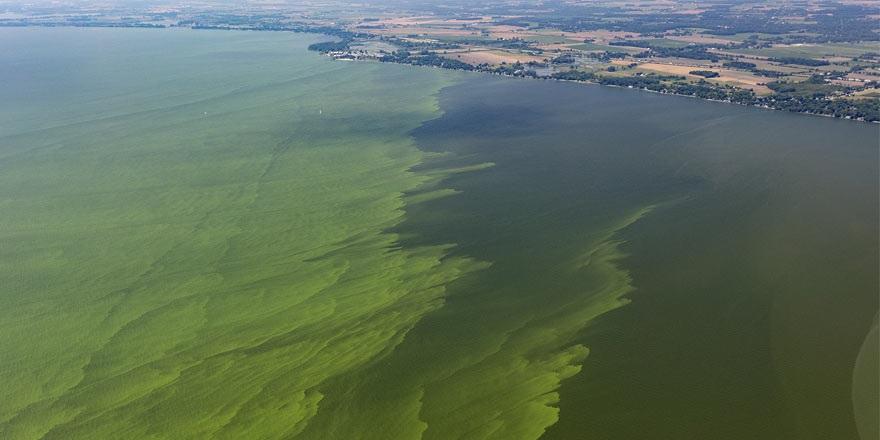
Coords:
666,43
869,94
606,47
447,38
548,39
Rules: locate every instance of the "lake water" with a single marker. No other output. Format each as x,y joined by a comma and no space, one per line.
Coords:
221,234
755,267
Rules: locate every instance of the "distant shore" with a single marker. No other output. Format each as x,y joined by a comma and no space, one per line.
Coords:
769,102
659,92
706,91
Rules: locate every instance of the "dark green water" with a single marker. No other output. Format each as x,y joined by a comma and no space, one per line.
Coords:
755,271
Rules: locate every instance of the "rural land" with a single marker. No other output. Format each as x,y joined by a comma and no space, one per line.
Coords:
815,57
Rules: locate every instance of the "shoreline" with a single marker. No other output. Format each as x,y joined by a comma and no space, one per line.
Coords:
337,32
643,89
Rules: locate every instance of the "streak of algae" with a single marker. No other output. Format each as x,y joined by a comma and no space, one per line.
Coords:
446,385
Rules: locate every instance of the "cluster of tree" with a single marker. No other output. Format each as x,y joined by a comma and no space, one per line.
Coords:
768,73
753,42
800,61
706,90
421,45
331,46
566,58
752,67
574,75
515,69
705,73
425,58
690,52
740,65
863,109
815,87
843,23
796,97
512,43
515,22
679,86
607,56
647,44
429,58
647,82
835,74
